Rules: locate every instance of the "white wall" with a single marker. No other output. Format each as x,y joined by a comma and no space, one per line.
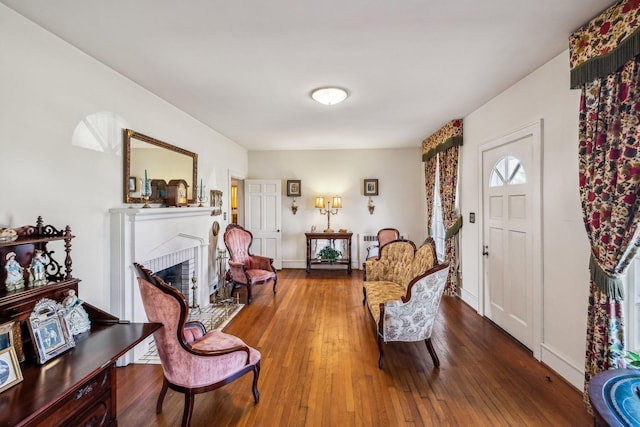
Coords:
47,87
544,94
400,203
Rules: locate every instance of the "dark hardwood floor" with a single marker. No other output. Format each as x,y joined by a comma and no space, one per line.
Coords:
320,368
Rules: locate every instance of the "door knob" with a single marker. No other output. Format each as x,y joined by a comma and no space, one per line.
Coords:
485,250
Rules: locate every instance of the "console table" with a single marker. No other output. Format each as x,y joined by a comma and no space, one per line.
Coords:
332,237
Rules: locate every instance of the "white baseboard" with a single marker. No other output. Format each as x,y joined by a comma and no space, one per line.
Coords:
470,299
562,366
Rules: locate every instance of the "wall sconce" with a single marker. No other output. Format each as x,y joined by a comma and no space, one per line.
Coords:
294,189
371,206
336,202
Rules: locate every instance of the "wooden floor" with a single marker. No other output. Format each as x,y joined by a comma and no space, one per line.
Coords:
320,368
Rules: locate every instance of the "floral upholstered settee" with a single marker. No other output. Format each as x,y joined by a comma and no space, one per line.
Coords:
402,290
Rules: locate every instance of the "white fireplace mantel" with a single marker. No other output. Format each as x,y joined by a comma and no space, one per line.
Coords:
140,235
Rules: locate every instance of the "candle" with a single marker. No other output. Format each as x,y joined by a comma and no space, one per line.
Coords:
201,188
147,190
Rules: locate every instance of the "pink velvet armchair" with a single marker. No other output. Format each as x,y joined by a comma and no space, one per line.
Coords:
193,361
246,269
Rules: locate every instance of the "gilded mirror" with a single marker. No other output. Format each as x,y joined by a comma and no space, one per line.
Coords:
161,162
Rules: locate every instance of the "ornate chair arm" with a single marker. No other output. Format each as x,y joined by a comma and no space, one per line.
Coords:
238,271
262,263
209,353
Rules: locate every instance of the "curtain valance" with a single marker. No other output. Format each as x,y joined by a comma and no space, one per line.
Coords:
450,135
605,43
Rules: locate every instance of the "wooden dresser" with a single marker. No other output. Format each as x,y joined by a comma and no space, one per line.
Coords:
77,387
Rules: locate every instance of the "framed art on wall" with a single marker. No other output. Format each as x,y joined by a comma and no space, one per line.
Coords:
293,188
370,187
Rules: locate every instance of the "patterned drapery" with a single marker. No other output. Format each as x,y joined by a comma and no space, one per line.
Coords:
430,183
605,43
605,64
448,189
446,137
445,145
609,167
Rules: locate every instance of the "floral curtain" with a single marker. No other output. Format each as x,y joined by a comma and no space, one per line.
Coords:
452,220
430,183
445,144
605,64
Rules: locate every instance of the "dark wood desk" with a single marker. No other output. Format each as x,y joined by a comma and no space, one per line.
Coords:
615,397
77,387
332,237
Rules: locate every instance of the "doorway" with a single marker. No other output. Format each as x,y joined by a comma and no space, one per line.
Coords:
511,260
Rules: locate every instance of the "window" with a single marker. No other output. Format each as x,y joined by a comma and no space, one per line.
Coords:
437,224
507,171
632,306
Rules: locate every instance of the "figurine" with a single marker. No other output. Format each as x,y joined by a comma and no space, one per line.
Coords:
15,278
76,316
37,275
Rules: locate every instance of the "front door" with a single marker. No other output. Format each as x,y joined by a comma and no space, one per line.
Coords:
509,177
263,217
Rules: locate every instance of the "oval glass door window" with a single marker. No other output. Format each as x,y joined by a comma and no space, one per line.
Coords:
507,171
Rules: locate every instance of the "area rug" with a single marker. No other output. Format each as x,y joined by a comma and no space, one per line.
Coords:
212,317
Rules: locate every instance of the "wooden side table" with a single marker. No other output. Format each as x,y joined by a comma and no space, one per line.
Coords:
332,237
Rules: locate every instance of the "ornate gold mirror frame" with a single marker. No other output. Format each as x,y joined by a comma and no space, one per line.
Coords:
160,162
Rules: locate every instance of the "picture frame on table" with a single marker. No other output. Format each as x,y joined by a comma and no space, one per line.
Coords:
11,336
10,372
49,330
294,188
370,187
133,184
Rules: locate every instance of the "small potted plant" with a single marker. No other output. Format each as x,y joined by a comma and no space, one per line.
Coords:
330,254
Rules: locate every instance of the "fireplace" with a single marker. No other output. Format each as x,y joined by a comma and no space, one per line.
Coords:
159,238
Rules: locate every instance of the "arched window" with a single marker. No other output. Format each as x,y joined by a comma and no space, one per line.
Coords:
507,171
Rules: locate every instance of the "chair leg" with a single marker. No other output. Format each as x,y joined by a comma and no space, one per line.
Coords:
256,374
364,295
380,347
188,408
432,352
163,393
249,294
275,283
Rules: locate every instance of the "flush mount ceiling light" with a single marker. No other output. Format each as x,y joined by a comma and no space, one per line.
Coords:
329,95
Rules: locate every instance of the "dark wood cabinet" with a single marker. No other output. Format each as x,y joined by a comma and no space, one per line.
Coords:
77,387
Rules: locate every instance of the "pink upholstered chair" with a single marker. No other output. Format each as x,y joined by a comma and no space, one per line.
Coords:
193,362
246,269
385,235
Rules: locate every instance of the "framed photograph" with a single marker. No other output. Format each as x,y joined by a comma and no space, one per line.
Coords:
370,187
49,330
293,188
133,184
11,336
216,202
10,373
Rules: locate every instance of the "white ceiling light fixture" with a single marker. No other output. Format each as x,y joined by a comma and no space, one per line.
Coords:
329,95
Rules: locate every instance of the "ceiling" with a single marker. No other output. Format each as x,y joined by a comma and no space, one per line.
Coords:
246,67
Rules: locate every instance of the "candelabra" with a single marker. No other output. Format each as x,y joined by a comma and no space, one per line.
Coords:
328,211
145,190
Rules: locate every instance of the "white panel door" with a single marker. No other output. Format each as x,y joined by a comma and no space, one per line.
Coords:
508,237
263,217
